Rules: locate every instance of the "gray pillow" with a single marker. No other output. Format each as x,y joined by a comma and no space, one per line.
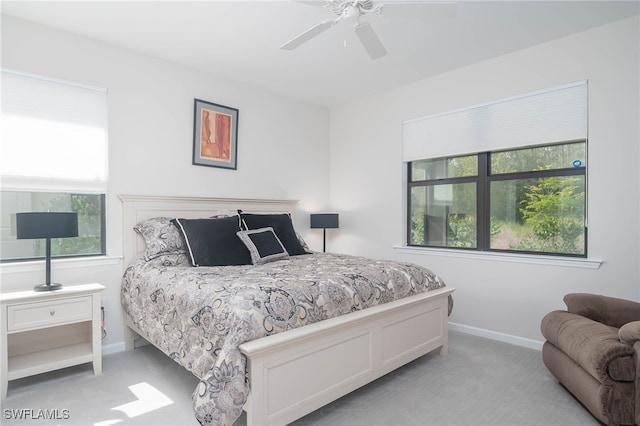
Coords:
161,237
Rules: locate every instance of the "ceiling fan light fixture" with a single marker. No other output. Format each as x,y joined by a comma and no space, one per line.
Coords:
351,14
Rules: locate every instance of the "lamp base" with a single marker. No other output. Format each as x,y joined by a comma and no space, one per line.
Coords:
48,287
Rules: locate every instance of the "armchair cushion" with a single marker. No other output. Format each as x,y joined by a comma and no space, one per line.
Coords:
592,345
606,310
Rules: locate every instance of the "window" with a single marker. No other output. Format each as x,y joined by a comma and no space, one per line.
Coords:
91,224
53,157
508,175
527,200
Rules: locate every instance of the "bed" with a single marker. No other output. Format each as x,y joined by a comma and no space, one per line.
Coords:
282,336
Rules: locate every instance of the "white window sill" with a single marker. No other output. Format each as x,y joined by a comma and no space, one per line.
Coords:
571,262
69,263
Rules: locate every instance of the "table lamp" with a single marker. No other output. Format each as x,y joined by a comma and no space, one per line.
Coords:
324,221
37,225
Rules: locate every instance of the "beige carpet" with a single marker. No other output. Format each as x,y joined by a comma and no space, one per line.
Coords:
481,382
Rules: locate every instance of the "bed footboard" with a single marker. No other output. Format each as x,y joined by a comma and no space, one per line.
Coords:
297,372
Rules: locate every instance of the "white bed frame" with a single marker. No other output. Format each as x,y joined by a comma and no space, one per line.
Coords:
298,371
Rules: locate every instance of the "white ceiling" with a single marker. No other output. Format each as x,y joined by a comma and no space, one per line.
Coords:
240,40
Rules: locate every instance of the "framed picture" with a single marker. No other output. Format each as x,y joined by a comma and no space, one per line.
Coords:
215,135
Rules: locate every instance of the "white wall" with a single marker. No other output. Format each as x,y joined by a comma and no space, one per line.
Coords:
510,298
282,143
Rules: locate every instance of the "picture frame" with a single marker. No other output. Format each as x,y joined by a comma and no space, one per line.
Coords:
215,135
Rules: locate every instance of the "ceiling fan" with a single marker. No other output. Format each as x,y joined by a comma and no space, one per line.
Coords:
351,11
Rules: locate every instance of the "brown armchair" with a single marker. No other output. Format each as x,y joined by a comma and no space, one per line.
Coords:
593,349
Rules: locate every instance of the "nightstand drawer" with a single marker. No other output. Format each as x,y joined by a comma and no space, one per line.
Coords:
39,314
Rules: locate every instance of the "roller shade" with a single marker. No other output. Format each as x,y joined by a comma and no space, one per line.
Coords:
554,115
53,136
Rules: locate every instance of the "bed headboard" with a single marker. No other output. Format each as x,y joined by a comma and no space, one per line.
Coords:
136,208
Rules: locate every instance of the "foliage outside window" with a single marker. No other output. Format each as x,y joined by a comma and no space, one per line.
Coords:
530,200
91,224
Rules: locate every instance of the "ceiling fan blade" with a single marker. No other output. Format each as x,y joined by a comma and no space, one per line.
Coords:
370,40
307,35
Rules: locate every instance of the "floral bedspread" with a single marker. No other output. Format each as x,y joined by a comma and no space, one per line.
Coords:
199,316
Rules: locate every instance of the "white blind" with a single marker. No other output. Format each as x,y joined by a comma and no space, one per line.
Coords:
53,135
554,115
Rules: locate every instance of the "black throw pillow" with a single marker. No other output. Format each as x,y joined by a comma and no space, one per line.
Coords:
213,242
263,244
282,226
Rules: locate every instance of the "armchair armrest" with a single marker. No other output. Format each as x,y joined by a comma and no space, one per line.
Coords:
592,345
630,333
603,309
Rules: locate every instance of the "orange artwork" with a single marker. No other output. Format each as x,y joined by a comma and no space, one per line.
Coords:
215,135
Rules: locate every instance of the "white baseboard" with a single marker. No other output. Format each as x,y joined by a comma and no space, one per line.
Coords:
494,335
113,348
481,332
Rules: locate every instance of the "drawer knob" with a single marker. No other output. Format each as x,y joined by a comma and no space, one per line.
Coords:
52,312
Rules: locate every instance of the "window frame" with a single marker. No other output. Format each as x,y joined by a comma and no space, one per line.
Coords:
483,182
103,233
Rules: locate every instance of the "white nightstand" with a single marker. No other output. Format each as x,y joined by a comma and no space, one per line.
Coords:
44,331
